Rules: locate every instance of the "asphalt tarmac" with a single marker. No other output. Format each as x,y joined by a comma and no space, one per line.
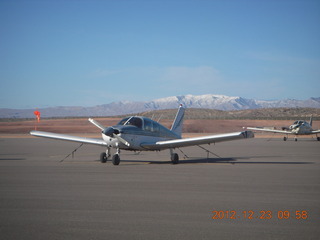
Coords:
251,189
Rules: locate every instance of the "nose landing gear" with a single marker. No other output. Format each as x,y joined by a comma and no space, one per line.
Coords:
115,158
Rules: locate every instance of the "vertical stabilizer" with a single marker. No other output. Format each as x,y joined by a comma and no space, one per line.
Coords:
310,121
178,121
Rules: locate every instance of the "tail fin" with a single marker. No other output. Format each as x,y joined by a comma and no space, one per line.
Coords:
310,121
178,121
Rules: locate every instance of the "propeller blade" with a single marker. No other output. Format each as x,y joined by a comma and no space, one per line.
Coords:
98,125
109,131
122,140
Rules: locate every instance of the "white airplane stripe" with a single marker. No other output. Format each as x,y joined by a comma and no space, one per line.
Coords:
68,138
198,140
269,130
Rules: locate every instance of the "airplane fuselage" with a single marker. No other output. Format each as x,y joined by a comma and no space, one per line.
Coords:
136,131
301,128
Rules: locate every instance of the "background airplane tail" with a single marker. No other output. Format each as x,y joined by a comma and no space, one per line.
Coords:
178,121
310,121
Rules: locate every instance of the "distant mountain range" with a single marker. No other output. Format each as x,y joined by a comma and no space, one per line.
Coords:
209,101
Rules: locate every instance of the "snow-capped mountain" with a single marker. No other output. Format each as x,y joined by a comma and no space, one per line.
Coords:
222,102
211,101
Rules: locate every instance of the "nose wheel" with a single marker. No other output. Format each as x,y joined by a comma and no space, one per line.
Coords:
115,158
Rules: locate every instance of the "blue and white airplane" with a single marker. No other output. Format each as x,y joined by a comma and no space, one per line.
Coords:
137,133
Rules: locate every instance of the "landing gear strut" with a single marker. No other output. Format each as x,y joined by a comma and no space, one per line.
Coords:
105,155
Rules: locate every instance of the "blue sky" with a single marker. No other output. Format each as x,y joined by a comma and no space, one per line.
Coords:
86,53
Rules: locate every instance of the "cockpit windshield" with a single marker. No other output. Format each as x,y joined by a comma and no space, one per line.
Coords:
134,121
148,127
299,122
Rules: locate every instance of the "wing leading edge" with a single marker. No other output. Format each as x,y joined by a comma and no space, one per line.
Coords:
69,138
186,142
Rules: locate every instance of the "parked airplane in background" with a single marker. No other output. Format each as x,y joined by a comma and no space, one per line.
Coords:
143,134
299,127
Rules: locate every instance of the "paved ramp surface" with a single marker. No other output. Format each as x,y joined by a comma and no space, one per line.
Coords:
255,189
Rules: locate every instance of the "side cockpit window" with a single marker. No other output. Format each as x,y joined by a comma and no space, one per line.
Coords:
148,125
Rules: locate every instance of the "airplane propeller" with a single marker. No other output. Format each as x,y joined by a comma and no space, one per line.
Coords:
109,131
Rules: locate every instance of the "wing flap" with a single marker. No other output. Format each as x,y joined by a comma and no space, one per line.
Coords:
71,138
185,142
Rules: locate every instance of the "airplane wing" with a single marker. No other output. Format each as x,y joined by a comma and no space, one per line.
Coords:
185,142
315,131
68,138
269,130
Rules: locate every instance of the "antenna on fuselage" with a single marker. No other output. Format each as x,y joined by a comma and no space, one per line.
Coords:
160,118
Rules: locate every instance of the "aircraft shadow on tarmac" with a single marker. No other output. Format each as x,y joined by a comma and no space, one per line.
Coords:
240,160
12,159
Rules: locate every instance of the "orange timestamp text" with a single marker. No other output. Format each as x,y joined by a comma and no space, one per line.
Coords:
261,214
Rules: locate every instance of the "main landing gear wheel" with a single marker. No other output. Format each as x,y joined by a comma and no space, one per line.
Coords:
103,157
284,138
318,138
116,159
174,158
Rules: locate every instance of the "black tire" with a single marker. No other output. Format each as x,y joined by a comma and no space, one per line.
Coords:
175,158
284,139
103,157
116,159
318,138
296,139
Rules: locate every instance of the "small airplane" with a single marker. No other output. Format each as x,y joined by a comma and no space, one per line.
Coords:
138,133
299,127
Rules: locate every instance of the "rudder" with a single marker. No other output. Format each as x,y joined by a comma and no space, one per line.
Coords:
310,122
178,121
